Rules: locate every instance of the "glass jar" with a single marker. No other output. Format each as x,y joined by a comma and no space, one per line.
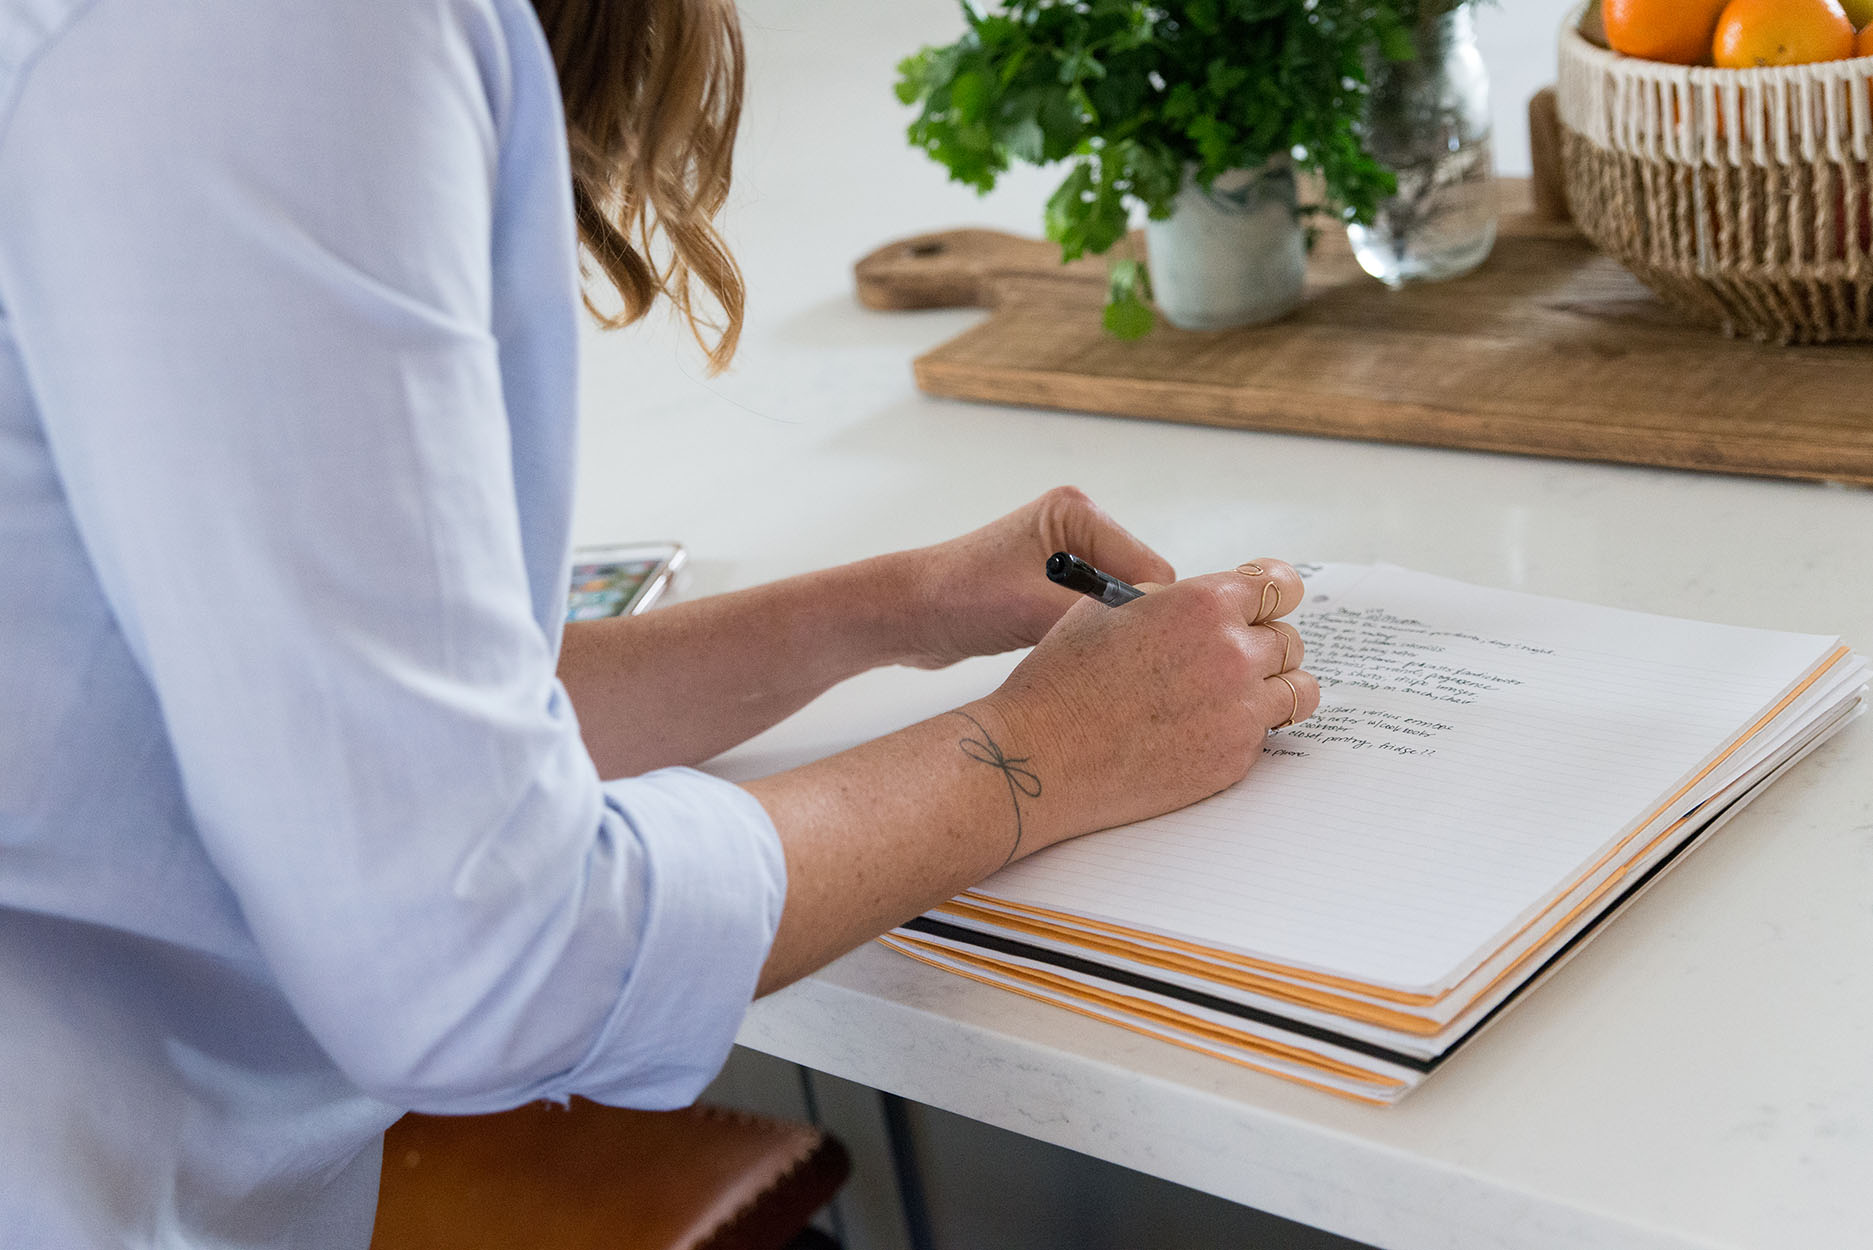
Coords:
1427,120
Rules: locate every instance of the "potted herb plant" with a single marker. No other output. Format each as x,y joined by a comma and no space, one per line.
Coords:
1200,111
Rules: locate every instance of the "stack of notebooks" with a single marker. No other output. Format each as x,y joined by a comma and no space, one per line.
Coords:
1490,777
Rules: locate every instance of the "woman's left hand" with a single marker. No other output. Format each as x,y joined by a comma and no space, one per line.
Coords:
988,592
683,683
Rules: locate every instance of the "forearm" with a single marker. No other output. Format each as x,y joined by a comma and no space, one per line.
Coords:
1117,715
681,684
688,681
877,834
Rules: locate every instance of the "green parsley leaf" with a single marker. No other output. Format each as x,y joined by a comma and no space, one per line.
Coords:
1128,320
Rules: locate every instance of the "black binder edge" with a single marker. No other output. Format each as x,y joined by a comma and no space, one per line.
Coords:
1300,1028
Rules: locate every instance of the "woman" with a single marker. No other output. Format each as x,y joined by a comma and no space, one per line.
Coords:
298,828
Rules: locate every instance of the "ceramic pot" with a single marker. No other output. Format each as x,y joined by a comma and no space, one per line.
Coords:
1232,255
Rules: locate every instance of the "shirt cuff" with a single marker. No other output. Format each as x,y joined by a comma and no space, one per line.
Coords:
715,883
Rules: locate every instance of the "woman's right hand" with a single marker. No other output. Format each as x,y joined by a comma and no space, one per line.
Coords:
1124,713
1117,714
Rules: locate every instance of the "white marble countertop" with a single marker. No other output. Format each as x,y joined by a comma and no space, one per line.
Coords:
1697,1077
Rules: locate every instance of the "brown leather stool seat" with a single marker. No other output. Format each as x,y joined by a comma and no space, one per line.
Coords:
590,1177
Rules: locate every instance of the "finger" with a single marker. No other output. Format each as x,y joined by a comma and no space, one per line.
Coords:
1274,588
1289,698
1281,646
1073,522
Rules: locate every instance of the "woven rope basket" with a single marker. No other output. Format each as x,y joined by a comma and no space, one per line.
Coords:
1741,196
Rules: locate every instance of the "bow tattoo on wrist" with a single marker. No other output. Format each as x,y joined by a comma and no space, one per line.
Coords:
1021,779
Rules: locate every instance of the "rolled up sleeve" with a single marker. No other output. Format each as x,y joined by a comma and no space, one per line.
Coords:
674,1023
245,258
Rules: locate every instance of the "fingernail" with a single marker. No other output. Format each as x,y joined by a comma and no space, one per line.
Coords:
1252,570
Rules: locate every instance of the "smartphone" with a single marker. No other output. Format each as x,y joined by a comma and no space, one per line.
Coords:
620,580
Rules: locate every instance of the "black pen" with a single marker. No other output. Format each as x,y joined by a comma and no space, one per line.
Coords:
1074,573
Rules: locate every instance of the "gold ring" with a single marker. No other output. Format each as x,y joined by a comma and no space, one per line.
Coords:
1287,644
1262,612
1251,569
1294,709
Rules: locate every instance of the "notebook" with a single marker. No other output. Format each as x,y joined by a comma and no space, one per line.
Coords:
1491,776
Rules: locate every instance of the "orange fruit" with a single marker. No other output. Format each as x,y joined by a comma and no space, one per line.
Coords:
1678,31
1781,32
1863,46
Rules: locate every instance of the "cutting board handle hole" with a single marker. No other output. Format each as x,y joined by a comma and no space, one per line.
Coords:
927,247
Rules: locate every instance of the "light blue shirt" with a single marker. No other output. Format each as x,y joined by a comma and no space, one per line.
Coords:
296,827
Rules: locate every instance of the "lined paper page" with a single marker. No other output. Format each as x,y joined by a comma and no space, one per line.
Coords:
1474,750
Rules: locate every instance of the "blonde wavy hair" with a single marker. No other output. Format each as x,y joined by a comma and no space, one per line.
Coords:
653,92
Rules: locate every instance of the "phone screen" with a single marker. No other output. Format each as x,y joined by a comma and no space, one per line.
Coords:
605,586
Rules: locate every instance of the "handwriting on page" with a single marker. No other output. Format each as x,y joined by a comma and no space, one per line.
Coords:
1362,728
1538,731
1371,649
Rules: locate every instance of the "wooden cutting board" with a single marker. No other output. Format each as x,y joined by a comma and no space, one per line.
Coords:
1549,349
